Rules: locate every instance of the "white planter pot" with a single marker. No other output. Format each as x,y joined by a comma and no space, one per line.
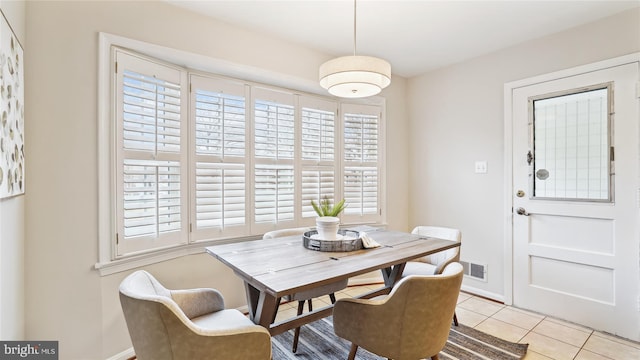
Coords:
327,227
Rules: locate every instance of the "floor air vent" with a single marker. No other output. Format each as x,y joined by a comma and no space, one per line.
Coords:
476,271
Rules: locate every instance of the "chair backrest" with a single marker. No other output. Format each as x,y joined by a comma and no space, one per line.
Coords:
425,308
440,259
143,301
160,328
412,322
285,232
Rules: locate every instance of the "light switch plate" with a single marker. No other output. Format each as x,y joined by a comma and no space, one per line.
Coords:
481,167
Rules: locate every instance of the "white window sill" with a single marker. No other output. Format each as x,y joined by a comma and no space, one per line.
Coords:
136,261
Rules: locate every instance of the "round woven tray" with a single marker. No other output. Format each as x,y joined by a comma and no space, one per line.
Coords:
351,242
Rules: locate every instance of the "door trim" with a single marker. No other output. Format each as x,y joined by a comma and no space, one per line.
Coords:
508,149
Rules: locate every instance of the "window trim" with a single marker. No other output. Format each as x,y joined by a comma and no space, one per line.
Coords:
608,86
107,262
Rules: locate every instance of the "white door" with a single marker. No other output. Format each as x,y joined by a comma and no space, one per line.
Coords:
576,198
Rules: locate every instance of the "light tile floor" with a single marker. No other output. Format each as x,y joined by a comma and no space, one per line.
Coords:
548,338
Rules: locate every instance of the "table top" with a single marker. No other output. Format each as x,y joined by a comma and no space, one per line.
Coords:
283,266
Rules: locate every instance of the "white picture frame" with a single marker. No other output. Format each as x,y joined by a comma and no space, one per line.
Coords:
12,157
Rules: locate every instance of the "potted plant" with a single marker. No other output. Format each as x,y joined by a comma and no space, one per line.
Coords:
327,222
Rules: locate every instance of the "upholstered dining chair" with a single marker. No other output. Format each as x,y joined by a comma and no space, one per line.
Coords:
410,323
435,263
308,295
187,324
285,232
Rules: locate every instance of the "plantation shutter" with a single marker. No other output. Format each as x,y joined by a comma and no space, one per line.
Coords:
196,157
316,184
151,176
274,147
218,108
361,170
319,125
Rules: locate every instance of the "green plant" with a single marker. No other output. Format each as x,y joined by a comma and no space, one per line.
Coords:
325,208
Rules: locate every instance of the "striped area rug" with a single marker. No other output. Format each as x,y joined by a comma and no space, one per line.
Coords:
319,342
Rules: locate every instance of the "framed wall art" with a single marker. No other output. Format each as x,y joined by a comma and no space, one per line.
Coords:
11,112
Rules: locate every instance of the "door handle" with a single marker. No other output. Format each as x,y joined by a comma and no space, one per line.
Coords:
522,211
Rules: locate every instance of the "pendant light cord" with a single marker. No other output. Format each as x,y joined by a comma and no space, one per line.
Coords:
354,27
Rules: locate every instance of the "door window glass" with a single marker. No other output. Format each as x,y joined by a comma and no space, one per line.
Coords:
571,157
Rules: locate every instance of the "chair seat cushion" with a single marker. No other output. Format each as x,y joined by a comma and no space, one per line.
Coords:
222,320
418,268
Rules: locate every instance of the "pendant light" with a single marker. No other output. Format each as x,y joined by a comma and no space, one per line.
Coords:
355,76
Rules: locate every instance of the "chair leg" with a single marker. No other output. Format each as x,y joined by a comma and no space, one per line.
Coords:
332,296
310,306
435,357
296,334
352,352
300,307
455,319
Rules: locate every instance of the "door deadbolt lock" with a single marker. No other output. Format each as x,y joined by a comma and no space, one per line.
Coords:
520,193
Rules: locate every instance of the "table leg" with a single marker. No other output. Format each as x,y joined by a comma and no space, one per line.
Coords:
266,313
262,306
392,275
253,296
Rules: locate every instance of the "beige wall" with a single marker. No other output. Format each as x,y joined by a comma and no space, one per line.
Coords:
12,224
66,299
456,118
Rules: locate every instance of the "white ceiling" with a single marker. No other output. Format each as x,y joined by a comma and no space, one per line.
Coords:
415,36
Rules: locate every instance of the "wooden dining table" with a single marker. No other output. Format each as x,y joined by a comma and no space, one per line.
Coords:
274,268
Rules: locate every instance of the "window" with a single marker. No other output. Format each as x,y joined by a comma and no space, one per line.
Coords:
361,162
318,160
571,148
199,158
151,167
274,144
218,157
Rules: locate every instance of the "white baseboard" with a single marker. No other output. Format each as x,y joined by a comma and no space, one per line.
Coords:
127,354
483,293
